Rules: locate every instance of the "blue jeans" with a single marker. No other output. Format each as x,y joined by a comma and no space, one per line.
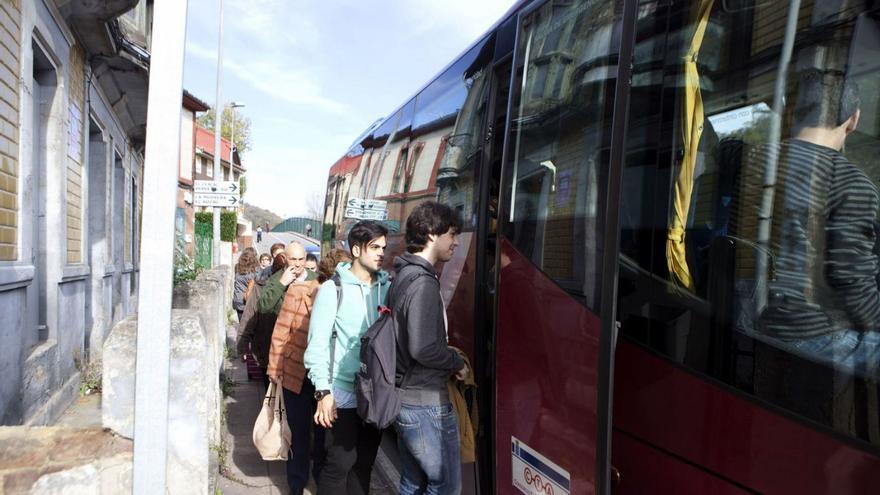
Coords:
848,350
430,453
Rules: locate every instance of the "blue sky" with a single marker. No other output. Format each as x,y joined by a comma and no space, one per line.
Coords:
314,74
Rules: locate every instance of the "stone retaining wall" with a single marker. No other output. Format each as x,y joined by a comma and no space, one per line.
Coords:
198,327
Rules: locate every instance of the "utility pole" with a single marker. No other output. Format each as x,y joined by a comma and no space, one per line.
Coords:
162,156
218,127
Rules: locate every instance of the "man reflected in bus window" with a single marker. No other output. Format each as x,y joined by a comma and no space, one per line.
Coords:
823,297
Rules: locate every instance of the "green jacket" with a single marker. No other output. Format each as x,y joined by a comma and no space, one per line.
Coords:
273,293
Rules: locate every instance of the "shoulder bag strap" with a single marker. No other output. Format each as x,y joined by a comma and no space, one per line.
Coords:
333,336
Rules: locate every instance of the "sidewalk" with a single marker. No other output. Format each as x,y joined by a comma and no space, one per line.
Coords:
246,473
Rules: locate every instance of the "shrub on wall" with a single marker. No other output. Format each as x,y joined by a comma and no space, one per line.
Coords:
228,223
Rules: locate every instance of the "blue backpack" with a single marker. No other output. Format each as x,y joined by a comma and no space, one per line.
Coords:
378,395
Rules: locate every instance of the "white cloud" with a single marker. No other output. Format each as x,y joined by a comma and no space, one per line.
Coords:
268,75
272,25
463,18
281,179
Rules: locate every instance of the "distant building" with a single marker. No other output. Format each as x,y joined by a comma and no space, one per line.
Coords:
184,223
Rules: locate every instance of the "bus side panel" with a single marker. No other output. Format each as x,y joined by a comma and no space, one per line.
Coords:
648,470
678,412
547,356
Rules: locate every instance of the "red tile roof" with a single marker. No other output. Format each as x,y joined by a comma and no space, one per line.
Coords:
205,141
346,165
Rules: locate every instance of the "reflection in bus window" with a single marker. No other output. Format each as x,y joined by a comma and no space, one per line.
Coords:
459,97
749,215
561,133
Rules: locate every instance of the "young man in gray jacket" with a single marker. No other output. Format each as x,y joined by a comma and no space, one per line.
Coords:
424,360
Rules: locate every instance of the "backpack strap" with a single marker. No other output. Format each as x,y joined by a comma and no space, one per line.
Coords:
333,336
402,287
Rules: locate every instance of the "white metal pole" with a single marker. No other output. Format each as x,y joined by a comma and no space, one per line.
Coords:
154,294
218,127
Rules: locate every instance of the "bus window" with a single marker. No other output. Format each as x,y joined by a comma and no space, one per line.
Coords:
749,213
456,102
390,142
560,139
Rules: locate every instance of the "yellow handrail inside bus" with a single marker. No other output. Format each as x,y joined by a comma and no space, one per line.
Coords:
692,130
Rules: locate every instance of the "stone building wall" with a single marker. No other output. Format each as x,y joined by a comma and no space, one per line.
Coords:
10,49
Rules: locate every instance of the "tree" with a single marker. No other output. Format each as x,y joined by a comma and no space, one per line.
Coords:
242,127
315,205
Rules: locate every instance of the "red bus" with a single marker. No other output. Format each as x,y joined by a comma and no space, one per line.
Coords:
626,239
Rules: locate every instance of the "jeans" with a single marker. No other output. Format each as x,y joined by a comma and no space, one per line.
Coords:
350,448
849,350
430,452
300,408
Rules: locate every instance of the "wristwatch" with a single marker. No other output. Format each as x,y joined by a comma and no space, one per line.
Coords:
319,394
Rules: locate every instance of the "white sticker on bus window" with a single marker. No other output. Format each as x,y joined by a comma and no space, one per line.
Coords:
534,474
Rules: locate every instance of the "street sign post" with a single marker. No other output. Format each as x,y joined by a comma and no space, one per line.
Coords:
219,200
216,187
216,193
366,209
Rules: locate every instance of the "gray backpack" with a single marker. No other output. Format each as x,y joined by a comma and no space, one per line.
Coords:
378,396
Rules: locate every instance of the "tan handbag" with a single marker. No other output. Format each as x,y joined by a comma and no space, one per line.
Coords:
271,431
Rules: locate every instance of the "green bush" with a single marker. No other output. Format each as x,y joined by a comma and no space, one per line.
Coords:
228,223
185,267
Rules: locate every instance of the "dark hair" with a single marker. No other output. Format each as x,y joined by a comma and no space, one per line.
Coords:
365,231
329,262
429,218
311,257
277,245
825,99
266,256
247,262
279,263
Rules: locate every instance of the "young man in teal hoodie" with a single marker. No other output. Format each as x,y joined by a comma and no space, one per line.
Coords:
349,443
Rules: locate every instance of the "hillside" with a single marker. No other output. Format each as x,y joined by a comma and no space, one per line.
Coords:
258,216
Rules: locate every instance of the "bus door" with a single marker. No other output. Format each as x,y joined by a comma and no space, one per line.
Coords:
557,248
489,181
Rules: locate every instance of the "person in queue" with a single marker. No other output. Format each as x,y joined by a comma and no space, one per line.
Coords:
276,248
327,266
255,329
332,357
425,360
295,273
286,369
824,298
265,261
246,269
312,263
